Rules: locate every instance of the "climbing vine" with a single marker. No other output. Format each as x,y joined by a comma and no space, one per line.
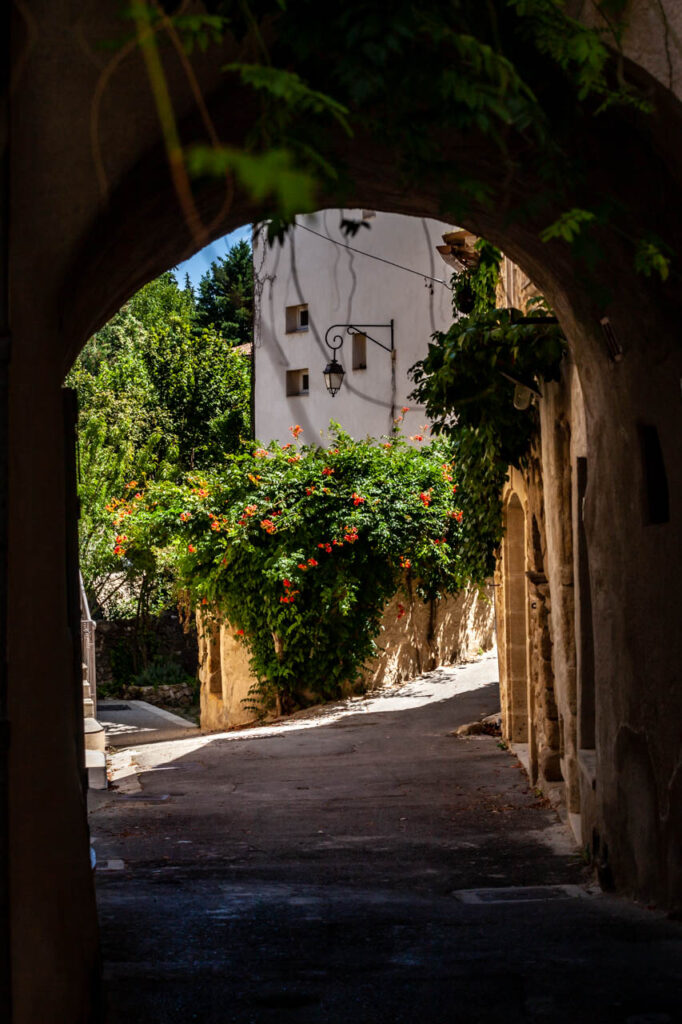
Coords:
523,75
299,548
469,377
474,288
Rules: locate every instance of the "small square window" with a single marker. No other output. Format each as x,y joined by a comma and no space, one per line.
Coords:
359,351
298,382
297,318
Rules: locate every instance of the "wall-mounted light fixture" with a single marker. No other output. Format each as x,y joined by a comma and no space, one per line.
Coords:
523,391
333,376
334,371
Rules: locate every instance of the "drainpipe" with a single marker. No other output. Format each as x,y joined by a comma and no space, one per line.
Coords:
5,968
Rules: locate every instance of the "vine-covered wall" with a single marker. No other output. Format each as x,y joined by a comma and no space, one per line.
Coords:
416,637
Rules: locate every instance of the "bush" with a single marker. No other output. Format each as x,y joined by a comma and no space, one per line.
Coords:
163,673
301,548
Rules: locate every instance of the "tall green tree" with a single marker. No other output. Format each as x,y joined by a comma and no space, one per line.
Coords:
225,295
158,396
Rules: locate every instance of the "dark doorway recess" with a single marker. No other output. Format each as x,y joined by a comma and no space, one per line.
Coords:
656,493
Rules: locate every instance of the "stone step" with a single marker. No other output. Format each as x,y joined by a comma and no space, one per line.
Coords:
95,736
96,765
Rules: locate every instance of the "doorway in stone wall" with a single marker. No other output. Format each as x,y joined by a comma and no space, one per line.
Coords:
516,626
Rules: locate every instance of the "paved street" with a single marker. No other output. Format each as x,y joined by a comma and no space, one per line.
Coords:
321,871
132,722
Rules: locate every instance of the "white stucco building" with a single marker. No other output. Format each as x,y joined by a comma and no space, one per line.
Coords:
389,271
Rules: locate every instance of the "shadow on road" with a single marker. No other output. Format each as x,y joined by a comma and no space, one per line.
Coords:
314,875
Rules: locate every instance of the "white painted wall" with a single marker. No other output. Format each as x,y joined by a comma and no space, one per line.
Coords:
342,286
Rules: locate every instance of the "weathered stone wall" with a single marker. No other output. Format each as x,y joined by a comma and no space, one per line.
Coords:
545,698
416,637
650,37
527,679
175,695
225,678
110,221
562,444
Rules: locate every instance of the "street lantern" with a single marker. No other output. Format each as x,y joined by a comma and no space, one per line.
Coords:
524,390
333,376
334,371
522,396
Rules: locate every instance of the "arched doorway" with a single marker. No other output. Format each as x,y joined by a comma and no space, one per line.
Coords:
515,596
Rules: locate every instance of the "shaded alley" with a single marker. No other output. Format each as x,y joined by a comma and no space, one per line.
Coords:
321,871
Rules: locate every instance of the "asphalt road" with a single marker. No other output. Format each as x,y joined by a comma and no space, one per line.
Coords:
322,872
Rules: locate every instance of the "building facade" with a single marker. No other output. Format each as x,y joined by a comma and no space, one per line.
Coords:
571,734
544,616
388,271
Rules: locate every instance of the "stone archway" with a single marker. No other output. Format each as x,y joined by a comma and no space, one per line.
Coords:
77,251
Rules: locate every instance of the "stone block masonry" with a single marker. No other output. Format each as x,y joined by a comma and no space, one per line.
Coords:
416,637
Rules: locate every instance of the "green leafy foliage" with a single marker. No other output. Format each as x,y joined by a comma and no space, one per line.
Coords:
290,89
224,299
467,383
299,548
468,378
158,395
200,30
500,97
568,226
273,174
474,289
162,672
522,74
649,259
584,53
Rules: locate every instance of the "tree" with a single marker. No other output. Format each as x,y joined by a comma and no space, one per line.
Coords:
157,398
225,296
203,385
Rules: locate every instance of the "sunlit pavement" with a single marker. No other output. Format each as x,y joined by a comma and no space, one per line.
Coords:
322,871
131,722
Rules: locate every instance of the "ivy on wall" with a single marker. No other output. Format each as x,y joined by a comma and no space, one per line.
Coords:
468,381
474,288
468,378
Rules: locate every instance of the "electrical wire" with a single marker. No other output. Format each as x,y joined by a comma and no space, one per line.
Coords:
381,259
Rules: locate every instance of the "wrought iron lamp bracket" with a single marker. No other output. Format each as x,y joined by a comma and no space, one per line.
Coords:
337,340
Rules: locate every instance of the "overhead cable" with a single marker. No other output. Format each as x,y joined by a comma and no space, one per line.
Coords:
371,256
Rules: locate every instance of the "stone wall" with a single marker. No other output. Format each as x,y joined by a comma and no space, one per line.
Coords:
415,638
544,681
172,696
430,634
